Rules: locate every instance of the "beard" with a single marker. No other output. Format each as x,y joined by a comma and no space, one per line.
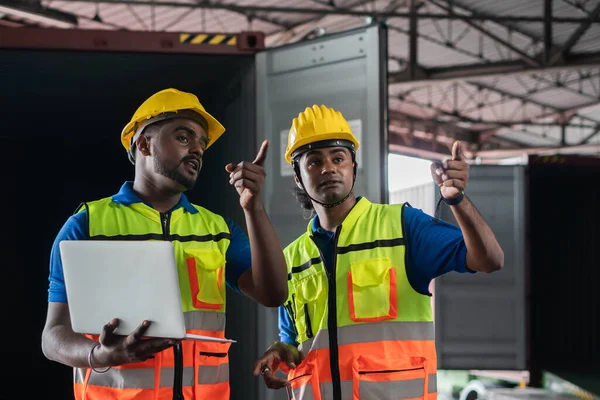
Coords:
331,196
174,174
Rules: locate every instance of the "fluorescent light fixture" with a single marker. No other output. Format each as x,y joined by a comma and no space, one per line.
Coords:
40,14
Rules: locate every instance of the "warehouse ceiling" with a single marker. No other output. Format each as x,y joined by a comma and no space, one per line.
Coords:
508,77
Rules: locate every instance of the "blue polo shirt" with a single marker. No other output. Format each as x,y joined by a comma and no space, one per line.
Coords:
238,256
433,248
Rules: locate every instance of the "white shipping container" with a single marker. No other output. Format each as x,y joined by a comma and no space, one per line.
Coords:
420,196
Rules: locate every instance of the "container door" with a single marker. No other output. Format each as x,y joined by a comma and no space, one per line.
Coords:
481,319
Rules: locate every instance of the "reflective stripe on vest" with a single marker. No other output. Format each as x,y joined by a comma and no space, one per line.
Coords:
143,378
200,241
384,332
406,389
353,334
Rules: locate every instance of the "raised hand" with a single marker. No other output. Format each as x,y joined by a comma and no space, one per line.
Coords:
248,178
453,174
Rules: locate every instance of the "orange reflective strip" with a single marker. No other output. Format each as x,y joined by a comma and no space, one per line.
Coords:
347,386
350,353
370,367
158,358
392,312
317,361
219,391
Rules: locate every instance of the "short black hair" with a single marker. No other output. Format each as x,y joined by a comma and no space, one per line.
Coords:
152,129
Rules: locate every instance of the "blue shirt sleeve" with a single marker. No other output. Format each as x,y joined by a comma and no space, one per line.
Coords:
287,333
238,256
74,229
433,249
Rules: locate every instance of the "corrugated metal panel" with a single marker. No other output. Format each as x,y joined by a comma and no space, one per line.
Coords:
421,196
505,7
590,41
480,318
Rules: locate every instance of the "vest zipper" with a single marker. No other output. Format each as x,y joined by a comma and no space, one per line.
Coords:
177,352
334,362
309,332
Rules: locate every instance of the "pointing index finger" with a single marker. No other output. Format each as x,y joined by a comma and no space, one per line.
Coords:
262,153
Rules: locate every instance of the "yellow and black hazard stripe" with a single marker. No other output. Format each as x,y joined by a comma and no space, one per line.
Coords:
206,38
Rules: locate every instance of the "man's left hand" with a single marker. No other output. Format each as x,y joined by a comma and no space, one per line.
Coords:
453,174
248,178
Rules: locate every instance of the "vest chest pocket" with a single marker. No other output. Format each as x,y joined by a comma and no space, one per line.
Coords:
372,290
206,271
310,303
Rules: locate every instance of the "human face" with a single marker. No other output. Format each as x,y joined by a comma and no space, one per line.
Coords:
327,174
178,148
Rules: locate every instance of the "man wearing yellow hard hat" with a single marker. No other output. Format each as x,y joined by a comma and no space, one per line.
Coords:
166,140
358,322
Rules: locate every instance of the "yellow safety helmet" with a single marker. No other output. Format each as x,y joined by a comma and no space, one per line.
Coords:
319,124
169,103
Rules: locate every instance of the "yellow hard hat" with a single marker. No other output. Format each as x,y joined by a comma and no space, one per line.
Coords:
318,124
169,101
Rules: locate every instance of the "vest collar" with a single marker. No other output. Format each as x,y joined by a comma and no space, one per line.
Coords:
362,205
127,196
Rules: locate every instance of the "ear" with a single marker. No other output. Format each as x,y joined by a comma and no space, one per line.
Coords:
142,145
297,181
296,168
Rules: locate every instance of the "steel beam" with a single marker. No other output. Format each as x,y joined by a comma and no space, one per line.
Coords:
572,41
591,135
340,11
426,125
306,23
504,153
263,18
37,12
413,41
547,30
523,55
460,72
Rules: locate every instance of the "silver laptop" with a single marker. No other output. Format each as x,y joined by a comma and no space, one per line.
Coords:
130,280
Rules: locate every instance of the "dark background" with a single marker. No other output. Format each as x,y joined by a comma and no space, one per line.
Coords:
62,115
564,264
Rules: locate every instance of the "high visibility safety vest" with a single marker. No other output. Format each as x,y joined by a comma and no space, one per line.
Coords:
200,241
365,332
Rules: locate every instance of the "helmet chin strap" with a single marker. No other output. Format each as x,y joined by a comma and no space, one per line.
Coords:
325,205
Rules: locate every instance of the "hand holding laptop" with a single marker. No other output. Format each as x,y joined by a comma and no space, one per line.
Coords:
118,349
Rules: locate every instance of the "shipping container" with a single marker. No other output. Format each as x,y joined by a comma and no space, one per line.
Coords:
541,312
66,95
